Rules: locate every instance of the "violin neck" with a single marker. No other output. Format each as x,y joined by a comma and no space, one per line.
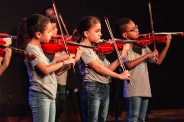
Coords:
172,33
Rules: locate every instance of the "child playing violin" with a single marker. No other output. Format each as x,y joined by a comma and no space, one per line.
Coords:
5,58
32,32
138,94
96,71
61,74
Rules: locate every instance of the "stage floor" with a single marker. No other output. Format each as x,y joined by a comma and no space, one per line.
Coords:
172,115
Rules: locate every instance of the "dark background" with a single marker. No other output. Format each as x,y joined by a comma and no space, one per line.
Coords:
166,79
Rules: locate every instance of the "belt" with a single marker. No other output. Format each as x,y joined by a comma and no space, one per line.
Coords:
97,83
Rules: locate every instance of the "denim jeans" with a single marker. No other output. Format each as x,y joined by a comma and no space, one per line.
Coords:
137,109
95,101
43,108
61,104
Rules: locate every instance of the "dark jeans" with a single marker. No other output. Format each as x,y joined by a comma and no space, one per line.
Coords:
60,102
137,108
95,101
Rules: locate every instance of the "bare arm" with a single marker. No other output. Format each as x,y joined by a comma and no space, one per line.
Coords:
66,67
46,69
162,55
105,71
116,63
79,53
58,57
134,63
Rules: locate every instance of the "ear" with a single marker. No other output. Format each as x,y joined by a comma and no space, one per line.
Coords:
86,33
124,35
37,35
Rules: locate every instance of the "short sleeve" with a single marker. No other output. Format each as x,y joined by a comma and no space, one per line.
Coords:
38,53
88,55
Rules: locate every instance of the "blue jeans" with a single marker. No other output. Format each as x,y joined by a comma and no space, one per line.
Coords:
43,108
137,109
61,104
95,101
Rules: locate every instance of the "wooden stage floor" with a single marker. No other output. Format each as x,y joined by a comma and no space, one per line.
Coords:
172,115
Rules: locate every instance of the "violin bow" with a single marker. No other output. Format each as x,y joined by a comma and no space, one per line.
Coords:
62,34
23,52
59,24
172,33
152,28
3,35
64,25
115,45
151,22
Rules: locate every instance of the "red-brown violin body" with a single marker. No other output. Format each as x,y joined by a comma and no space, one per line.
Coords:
54,47
147,39
104,48
107,48
56,44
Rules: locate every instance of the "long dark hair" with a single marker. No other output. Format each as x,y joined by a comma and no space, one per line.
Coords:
85,24
29,26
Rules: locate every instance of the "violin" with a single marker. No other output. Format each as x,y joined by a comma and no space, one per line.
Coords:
5,44
147,39
105,47
56,44
25,54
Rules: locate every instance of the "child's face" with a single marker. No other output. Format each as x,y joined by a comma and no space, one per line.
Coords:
132,31
94,34
47,34
54,29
